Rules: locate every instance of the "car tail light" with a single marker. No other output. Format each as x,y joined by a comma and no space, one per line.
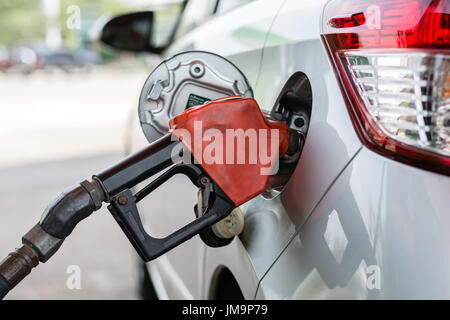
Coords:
392,59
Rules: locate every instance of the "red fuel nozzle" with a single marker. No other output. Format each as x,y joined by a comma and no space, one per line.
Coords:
233,142
236,149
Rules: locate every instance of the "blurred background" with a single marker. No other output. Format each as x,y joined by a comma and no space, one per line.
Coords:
65,100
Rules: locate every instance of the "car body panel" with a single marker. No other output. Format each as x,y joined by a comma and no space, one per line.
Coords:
240,40
235,258
284,54
330,132
341,220
231,35
367,240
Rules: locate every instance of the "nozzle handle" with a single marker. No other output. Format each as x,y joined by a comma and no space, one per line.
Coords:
4,287
124,210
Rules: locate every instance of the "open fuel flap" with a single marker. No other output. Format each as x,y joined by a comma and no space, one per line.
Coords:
185,80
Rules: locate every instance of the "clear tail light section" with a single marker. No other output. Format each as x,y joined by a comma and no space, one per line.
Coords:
392,59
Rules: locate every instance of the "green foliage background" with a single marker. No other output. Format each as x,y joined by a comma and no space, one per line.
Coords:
22,21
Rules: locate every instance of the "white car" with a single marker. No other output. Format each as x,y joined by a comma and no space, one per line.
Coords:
366,213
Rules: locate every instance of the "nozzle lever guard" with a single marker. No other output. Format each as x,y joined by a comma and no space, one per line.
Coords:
124,210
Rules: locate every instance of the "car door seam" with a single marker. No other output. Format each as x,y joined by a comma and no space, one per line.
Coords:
307,218
261,57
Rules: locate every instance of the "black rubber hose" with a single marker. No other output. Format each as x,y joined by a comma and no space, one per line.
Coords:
4,287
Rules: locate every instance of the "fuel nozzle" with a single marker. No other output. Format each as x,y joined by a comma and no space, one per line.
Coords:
77,203
224,185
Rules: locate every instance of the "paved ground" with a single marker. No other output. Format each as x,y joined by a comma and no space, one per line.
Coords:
56,130
97,245
57,116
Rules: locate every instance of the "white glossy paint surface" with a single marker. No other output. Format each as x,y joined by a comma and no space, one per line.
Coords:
240,40
349,214
378,213
331,140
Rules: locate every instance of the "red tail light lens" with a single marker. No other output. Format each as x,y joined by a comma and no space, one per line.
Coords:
392,59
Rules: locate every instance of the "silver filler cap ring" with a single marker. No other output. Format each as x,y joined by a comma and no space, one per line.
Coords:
185,80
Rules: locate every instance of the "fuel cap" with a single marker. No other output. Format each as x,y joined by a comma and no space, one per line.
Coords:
185,80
